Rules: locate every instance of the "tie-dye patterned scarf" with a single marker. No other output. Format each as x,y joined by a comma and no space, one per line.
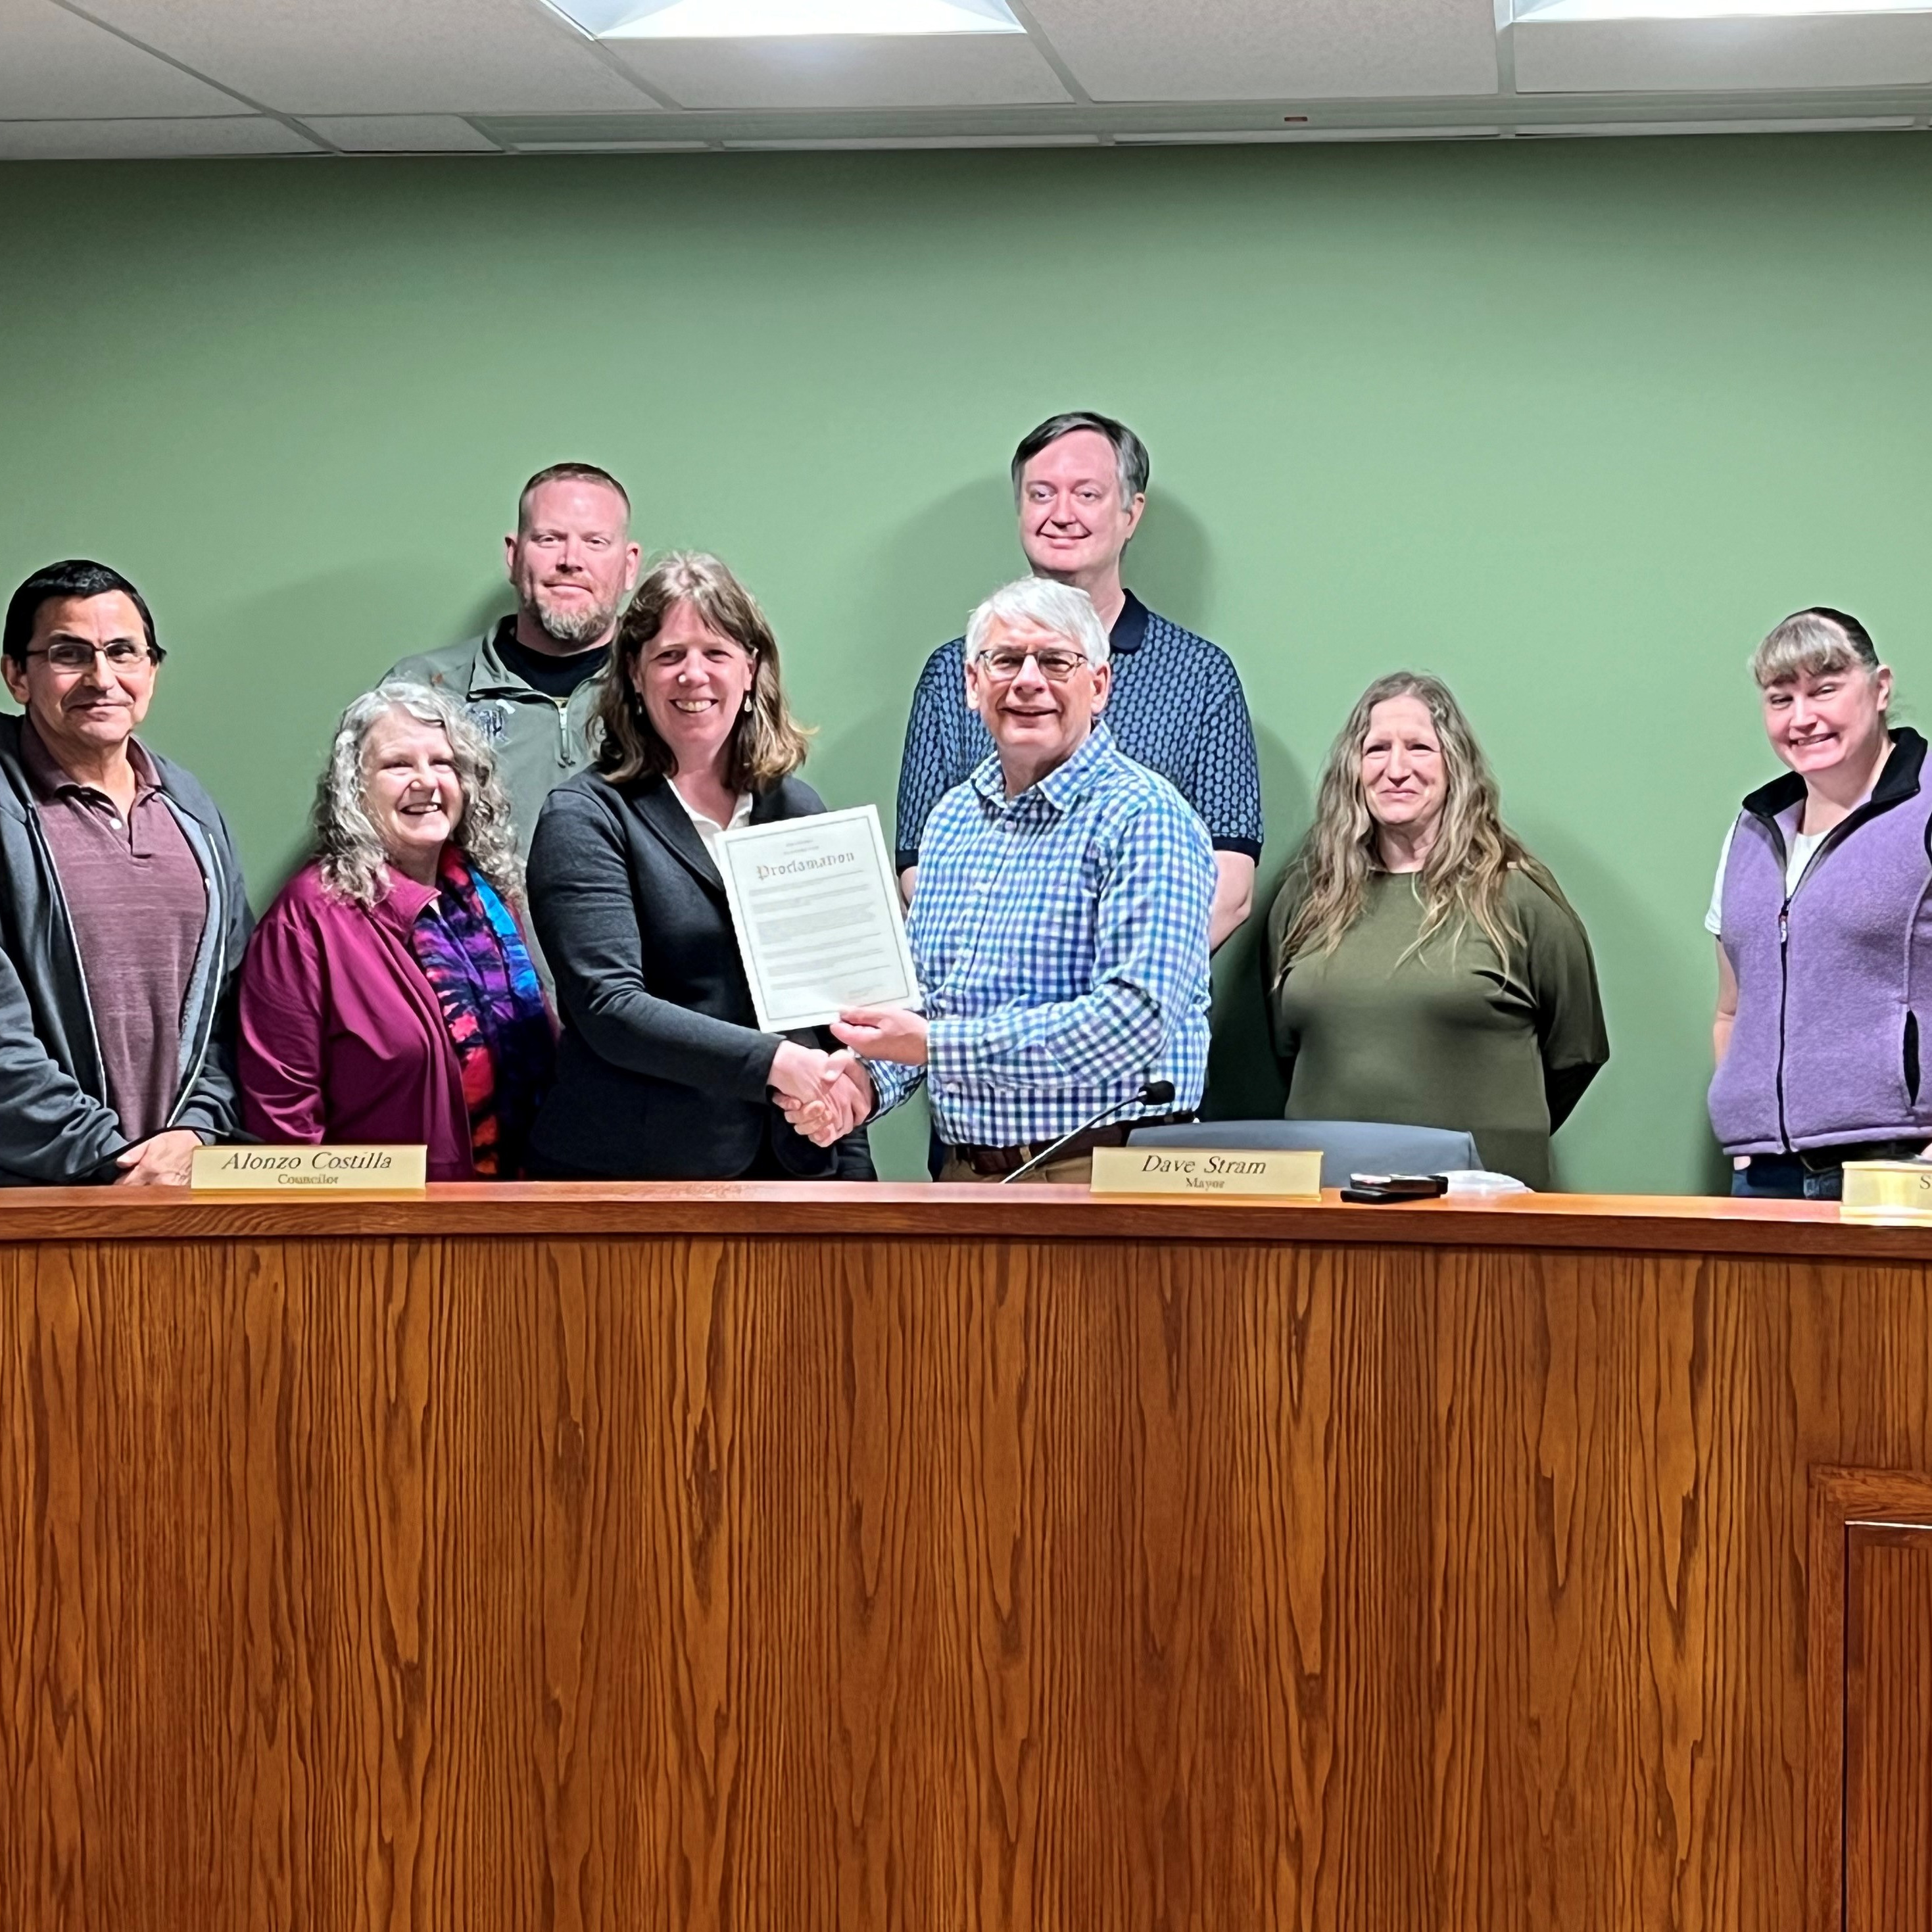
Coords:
469,950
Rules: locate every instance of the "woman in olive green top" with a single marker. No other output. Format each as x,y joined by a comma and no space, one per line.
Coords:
1426,968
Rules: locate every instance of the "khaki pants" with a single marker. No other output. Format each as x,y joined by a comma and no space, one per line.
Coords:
1072,1170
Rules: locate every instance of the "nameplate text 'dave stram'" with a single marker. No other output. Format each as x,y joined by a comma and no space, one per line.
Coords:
1277,1174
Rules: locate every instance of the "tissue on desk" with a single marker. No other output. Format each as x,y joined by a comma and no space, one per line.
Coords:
1480,1181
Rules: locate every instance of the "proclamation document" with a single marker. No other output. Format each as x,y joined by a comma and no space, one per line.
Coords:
816,909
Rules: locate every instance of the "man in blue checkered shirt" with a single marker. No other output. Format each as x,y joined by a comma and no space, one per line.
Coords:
1080,484
1060,923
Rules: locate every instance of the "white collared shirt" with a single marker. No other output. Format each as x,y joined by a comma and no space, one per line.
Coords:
708,828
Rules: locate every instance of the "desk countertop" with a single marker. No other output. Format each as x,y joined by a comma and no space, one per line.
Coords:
1642,1223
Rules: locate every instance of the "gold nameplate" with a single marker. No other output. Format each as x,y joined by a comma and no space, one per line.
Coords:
365,1169
1896,1190
1280,1174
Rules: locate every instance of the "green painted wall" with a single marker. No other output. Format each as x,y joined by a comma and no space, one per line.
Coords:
1569,423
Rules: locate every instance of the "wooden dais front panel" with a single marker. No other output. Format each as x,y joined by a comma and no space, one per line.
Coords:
720,1576
1871,1700
1888,1729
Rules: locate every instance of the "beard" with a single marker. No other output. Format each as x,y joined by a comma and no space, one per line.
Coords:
576,626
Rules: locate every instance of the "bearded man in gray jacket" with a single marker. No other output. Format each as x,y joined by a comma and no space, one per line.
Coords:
529,682
123,915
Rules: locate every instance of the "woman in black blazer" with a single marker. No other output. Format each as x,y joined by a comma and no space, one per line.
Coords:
662,1074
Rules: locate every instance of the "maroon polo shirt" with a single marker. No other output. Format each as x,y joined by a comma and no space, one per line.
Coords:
139,903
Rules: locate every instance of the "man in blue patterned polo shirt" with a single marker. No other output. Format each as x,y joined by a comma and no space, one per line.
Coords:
1061,925
1080,481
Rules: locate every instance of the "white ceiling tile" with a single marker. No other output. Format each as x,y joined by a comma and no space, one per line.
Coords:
1713,56
148,140
400,134
956,71
353,57
56,65
1273,49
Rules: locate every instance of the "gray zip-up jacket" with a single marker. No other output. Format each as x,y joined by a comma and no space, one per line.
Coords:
56,1127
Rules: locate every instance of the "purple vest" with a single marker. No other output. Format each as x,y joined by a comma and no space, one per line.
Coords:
1825,1049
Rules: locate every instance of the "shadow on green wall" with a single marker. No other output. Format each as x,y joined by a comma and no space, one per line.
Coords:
1169,563
1657,1022
487,607
1244,1081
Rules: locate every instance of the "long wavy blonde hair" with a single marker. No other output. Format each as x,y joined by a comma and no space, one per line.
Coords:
1464,879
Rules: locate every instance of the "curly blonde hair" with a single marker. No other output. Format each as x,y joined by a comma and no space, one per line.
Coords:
1465,877
349,850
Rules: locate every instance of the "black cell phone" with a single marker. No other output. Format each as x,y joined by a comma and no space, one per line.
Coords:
1387,1187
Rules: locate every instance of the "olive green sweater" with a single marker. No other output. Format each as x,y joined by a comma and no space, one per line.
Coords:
1450,1037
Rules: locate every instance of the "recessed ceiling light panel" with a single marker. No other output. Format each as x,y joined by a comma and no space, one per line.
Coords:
1541,11
784,19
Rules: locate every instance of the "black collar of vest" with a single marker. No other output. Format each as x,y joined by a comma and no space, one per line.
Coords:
1898,781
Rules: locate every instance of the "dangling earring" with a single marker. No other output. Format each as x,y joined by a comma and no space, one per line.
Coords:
746,706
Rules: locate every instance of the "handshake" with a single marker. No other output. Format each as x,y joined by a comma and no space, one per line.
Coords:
827,1095
824,1095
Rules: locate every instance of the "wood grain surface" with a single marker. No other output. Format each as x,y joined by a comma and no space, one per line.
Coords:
1844,1506
1869,1670
727,1579
1888,1728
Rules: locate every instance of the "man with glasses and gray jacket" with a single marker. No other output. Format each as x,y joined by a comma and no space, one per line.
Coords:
123,915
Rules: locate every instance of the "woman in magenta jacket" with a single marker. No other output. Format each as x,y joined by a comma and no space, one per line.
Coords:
388,994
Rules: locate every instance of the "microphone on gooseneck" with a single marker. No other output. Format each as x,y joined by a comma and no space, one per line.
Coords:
1155,1093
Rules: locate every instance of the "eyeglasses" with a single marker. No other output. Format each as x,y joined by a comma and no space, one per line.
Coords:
123,654
1056,667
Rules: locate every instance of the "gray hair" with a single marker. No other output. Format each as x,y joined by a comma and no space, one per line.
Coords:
1058,607
1809,643
1129,452
349,852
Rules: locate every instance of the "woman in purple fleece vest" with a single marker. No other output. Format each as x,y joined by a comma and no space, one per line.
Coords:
1823,916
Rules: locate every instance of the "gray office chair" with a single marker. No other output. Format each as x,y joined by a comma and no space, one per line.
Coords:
1348,1147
